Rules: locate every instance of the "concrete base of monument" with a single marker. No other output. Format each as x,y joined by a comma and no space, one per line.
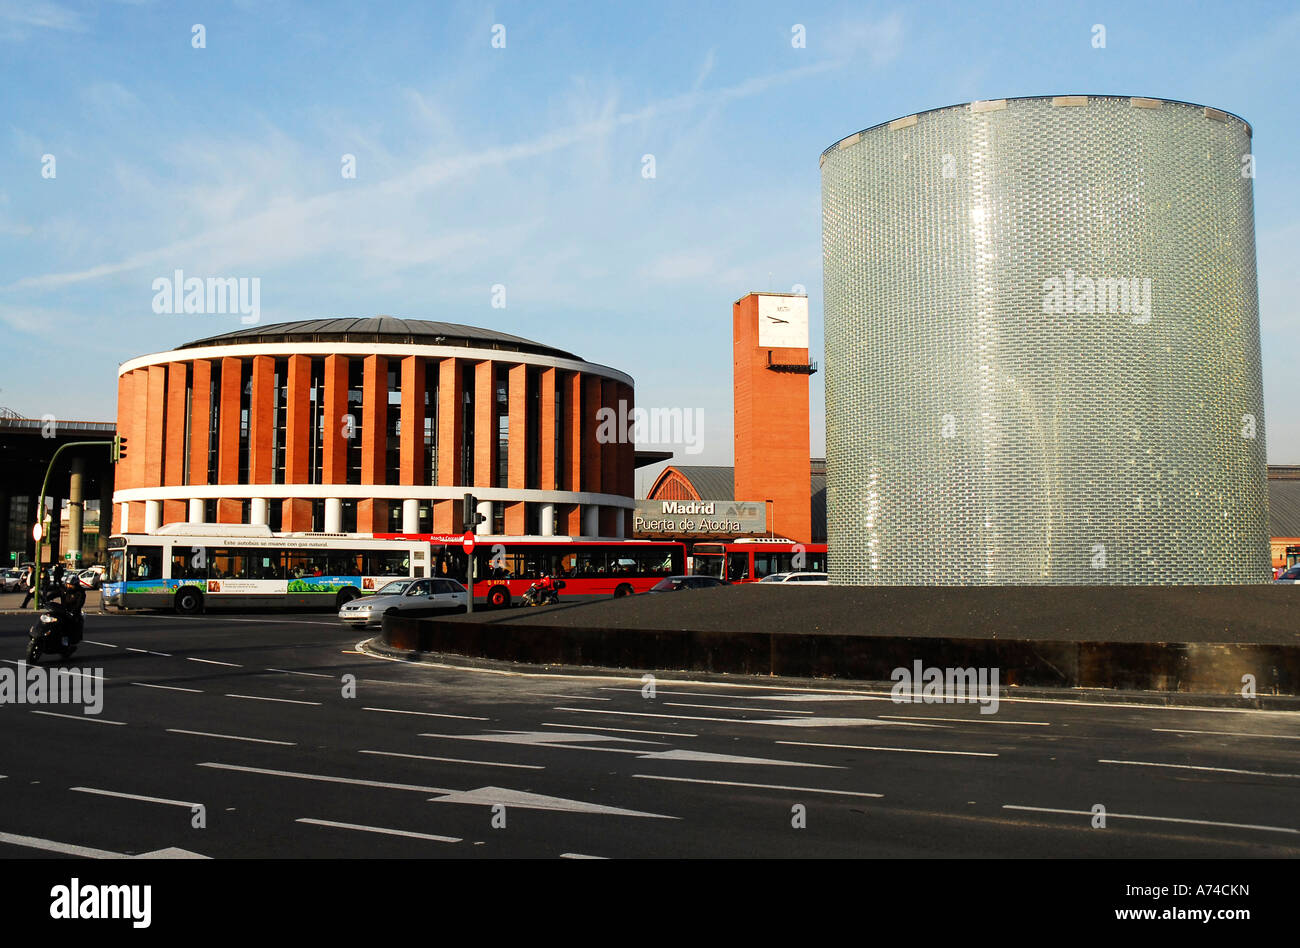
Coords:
1227,641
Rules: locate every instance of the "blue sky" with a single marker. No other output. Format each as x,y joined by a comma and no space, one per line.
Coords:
522,166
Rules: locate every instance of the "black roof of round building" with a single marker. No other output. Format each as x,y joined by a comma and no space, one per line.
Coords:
388,329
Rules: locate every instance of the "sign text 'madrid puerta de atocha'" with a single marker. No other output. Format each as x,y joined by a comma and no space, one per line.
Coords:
710,517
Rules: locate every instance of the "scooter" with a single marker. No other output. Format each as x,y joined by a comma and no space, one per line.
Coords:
55,631
535,595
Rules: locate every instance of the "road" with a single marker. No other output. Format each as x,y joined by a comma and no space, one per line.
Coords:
246,715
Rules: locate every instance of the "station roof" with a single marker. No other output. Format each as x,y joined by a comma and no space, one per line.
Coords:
389,329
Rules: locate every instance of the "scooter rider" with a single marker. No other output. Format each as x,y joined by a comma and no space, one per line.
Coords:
546,588
73,598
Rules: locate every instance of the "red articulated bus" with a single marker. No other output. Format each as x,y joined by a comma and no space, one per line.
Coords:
748,561
504,567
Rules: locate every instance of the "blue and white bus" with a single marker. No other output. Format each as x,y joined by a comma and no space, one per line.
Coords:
189,567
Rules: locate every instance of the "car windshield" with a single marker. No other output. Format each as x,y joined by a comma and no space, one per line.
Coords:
395,588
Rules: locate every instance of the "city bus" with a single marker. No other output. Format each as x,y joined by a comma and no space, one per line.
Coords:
504,567
189,567
749,560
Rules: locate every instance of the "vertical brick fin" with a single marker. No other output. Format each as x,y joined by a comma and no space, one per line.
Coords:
627,450
174,460
374,422
609,449
232,385
334,453
572,421
156,395
546,418
590,446
261,420
297,433
518,449
122,471
485,429
295,515
413,460
451,432
201,422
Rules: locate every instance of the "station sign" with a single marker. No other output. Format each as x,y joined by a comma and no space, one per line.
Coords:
704,517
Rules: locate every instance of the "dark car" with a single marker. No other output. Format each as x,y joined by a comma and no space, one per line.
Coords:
1290,576
676,583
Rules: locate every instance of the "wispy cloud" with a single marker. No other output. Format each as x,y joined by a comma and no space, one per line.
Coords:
18,18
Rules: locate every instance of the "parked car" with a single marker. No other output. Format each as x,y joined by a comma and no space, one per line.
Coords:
90,578
807,578
1290,576
11,580
677,583
410,597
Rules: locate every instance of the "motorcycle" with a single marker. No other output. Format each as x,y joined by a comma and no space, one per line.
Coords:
55,631
535,595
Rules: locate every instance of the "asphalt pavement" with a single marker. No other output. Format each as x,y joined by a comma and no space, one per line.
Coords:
294,744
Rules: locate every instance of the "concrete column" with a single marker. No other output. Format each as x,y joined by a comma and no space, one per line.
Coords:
591,520
105,516
152,515
196,510
411,515
485,528
259,511
333,514
548,520
619,522
76,507
54,542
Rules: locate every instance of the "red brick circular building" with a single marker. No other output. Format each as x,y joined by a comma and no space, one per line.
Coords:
372,425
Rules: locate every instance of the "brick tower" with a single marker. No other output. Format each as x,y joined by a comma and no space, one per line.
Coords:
771,369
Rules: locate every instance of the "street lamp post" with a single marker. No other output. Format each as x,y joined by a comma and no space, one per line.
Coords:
54,520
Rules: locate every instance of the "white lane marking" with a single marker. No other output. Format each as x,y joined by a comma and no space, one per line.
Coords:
325,778
901,750
286,671
1269,737
141,684
704,756
1221,770
776,722
104,644
487,796
211,661
539,694
620,730
132,796
230,737
729,707
223,618
580,856
986,720
455,760
429,714
49,845
281,700
540,737
79,717
380,829
145,651
788,696
1158,819
760,786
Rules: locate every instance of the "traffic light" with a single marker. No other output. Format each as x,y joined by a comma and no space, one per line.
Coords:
472,517
119,449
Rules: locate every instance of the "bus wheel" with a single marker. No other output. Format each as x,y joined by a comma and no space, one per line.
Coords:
344,597
189,601
499,597
623,590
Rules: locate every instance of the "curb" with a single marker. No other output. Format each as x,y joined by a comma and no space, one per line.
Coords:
1279,703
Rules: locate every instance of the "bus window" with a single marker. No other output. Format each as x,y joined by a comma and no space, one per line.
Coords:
144,562
263,564
227,564
116,564
591,562
344,563
189,562
567,565
387,563
304,564
738,566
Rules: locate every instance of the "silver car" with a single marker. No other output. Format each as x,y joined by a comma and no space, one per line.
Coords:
805,578
11,580
410,597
